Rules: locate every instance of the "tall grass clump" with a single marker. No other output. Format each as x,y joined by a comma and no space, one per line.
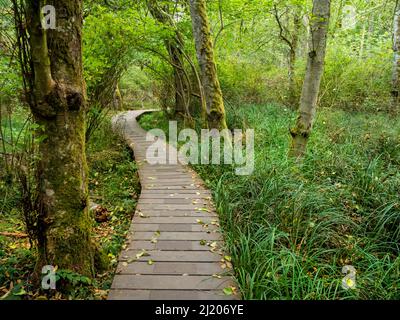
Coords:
291,227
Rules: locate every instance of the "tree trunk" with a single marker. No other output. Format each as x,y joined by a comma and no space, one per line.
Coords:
293,59
117,99
292,78
396,59
312,81
182,90
215,110
64,225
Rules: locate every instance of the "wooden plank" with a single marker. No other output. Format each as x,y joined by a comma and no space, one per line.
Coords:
173,220
171,268
156,206
178,213
170,227
180,191
146,196
172,200
117,294
155,282
177,236
158,188
171,245
178,256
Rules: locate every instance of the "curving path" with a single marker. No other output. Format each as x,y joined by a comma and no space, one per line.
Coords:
173,250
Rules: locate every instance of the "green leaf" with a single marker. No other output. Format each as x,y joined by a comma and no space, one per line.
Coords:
228,291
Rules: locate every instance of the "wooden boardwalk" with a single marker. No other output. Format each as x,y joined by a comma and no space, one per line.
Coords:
173,250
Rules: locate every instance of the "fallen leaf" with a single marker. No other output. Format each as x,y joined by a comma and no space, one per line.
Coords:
228,291
143,253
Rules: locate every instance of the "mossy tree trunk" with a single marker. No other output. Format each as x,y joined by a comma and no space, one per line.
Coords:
312,81
215,110
64,225
396,58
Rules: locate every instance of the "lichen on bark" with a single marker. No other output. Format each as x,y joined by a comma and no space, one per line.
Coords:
215,109
64,225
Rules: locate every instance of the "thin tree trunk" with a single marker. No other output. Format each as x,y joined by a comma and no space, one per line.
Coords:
291,39
292,78
312,81
293,59
64,225
396,58
182,89
117,99
215,110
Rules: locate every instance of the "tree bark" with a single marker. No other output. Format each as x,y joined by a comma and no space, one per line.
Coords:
117,99
396,58
293,59
64,225
312,81
182,93
215,110
182,90
291,39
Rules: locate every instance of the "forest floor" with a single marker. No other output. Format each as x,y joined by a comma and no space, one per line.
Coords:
291,227
114,187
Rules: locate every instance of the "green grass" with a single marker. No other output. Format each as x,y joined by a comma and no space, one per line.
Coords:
291,228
